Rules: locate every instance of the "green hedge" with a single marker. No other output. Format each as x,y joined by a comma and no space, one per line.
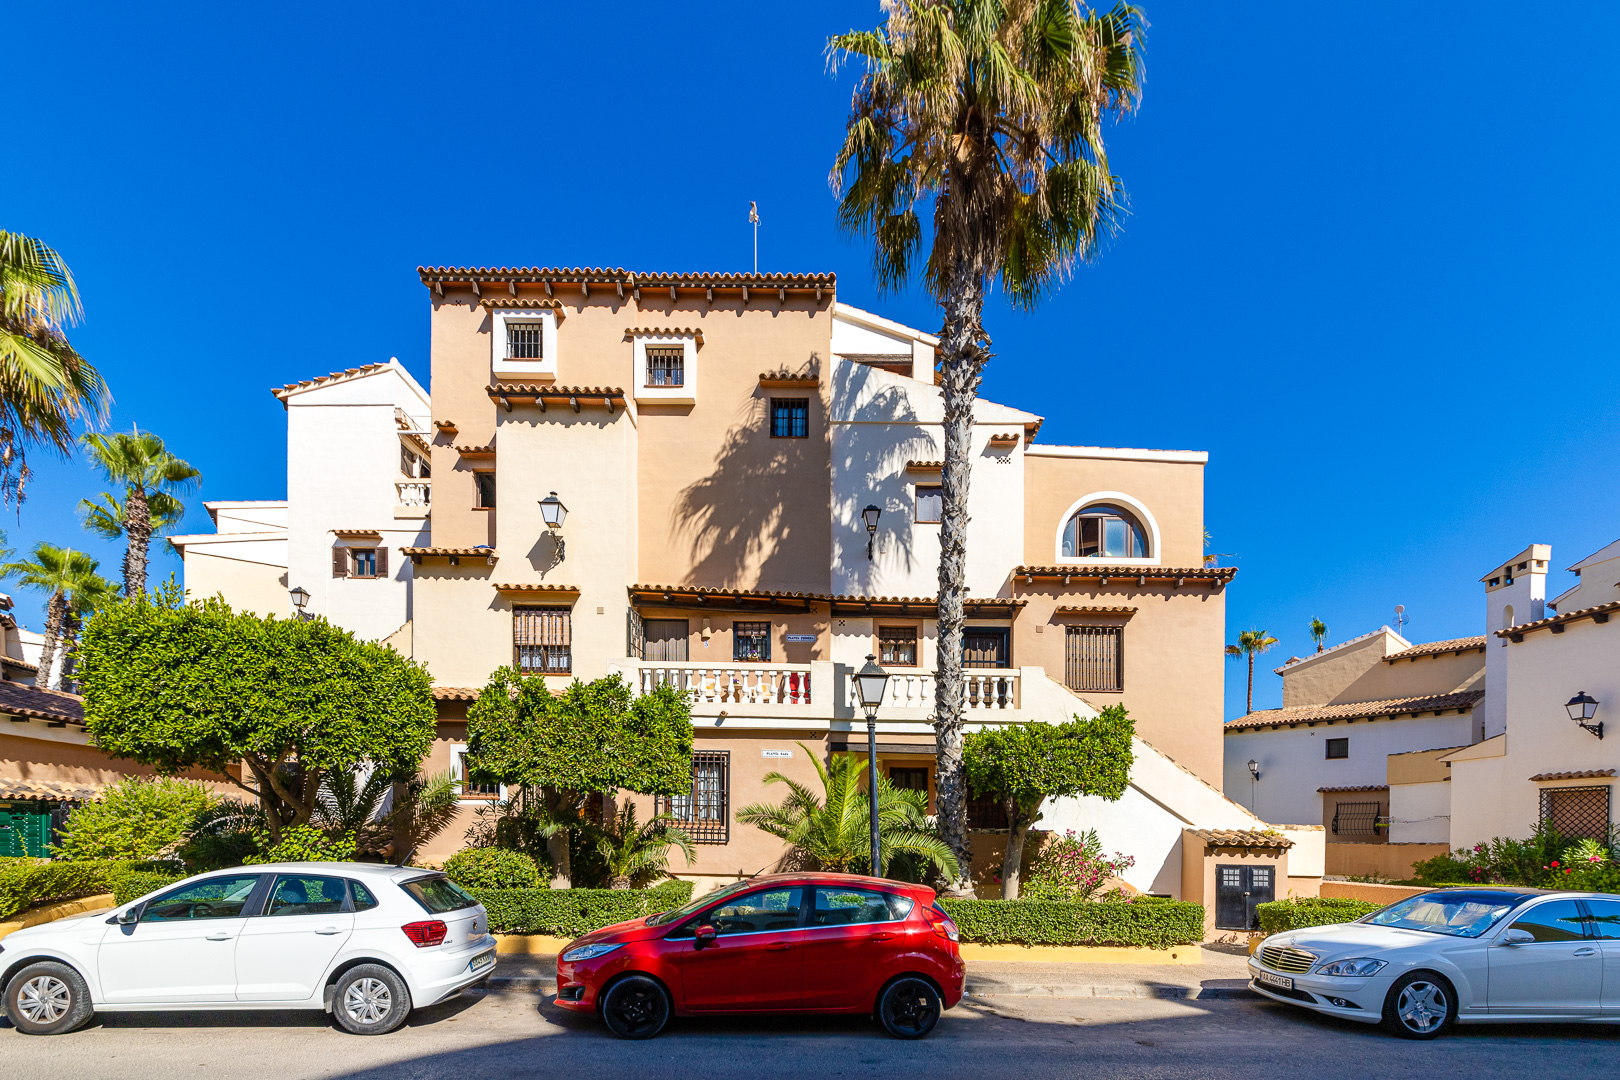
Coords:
26,883
130,883
572,912
1280,915
1157,924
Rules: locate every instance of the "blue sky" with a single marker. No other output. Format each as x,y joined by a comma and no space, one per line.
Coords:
1370,266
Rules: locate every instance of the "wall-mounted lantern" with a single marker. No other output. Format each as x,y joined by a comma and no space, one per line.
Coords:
1582,707
555,513
870,515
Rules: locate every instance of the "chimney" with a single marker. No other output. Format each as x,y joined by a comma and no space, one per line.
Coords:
1515,592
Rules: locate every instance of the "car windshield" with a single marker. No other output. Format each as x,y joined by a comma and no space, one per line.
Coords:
1457,914
667,917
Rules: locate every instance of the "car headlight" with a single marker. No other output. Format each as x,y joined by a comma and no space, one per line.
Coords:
1361,966
589,952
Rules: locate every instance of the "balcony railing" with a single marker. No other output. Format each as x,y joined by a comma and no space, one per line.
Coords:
987,688
414,492
737,684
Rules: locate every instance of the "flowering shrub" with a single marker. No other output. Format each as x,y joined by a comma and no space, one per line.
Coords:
1544,859
1072,867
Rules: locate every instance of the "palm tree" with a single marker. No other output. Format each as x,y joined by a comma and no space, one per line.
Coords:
986,116
1251,643
45,385
1318,633
637,855
73,587
834,828
389,815
151,477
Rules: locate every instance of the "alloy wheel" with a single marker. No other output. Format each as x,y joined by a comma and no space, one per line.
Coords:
636,1009
1422,1007
367,1001
912,1010
44,999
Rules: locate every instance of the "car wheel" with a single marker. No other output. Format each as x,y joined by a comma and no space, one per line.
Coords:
1420,1005
48,999
370,1000
635,1007
909,1007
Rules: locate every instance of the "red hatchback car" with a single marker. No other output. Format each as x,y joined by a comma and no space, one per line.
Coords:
827,943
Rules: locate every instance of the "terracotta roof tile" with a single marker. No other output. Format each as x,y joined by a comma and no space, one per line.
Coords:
925,466
670,593
616,275
446,425
1087,571
520,302
455,693
1356,710
1597,612
550,391
1252,838
1100,609
24,665
538,587
321,380
1356,787
1585,774
30,701
664,331
54,790
476,451
357,534
1006,437
1438,648
441,552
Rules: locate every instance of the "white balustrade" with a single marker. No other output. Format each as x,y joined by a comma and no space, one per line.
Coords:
414,492
739,684
985,689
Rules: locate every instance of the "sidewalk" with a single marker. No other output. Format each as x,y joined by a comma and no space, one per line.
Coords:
1223,974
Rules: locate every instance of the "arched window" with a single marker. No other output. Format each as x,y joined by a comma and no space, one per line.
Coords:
1105,530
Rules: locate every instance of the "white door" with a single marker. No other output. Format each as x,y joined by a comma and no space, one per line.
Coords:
1561,971
184,947
285,952
1606,928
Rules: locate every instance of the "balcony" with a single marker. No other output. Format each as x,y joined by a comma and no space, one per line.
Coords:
413,497
988,689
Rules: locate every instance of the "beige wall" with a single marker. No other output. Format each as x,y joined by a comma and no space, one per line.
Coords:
247,586
64,756
1198,862
1330,808
1377,894
1173,492
1357,671
1392,861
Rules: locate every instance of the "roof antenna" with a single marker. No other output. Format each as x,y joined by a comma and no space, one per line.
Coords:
753,217
1400,618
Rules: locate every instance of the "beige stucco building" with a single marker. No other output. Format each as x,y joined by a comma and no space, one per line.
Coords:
716,440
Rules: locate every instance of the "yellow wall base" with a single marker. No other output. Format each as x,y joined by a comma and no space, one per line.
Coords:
542,945
529,944
51,912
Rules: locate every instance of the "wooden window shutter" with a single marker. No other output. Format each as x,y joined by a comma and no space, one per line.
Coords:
340,562
382,562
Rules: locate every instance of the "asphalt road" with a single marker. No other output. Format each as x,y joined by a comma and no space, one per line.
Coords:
508,1033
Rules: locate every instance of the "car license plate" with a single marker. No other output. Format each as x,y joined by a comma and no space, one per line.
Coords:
1275,980
481,961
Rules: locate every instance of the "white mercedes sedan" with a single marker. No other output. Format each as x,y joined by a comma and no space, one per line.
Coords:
365,942
1475,955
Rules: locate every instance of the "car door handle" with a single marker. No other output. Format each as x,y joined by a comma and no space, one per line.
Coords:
784,947
1585,952
882,937
329,930
219,937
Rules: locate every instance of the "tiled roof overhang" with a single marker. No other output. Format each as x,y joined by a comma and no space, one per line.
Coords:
1101,609
1000,607
56,707
1242,838
48,790
1584,774
709,596
478,277
1438,648
925,466
540,587
455,693
541,393
1178,575
664,331
1598,613
526,303
1355,787
357,534
1356,710
455,555
348,373
476,451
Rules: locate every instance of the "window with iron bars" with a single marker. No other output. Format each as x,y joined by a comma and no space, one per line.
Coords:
543,640
1359,819
705,814
470,788
666,365
1577,812
523,340
1094,658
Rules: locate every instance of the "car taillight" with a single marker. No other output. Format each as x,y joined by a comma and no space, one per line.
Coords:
426,933
943,926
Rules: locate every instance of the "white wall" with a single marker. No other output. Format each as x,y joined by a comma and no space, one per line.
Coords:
1293,761
1420,813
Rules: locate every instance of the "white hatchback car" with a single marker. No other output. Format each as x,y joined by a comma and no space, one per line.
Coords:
1474,955
365,942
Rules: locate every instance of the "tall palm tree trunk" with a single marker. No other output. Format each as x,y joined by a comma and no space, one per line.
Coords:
138,528
1250,707
56,610
961,368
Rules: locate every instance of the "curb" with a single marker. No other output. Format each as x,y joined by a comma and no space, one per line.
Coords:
1052,990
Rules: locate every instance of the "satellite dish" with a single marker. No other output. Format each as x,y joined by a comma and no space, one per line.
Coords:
1400,609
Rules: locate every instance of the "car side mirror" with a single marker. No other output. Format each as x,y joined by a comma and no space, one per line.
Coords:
704,936
1515,936
130,916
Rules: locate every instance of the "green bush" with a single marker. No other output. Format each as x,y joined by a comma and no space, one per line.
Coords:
492,868
304,843
130,883
136,818
1280,915
1439,869
572,912
27,882
1159,924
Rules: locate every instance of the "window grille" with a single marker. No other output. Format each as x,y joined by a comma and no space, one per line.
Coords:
1094,658
1577,812
987,812
984,647
543,639
897,645
1356,819
471,789
751,641
705,814
523,340
666,365
790,418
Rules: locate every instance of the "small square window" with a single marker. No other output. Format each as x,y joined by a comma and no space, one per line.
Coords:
525,340
751,641
666,365
897,645
484,491
930,503
790,418
1338,748
363,562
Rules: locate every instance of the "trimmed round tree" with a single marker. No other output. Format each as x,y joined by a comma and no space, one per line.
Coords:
595,737
1025,764
282,702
